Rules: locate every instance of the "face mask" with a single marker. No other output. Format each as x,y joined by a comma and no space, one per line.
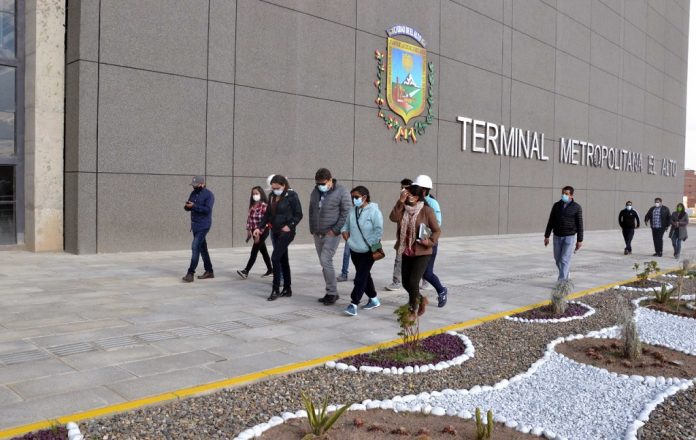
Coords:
680,209
629,207
256,197
323,188
657,204
358,202
565,198
278,191
197,188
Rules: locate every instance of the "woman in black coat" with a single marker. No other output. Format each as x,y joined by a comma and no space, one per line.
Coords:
677,230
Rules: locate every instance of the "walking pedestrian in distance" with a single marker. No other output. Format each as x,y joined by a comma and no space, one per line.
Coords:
629,220
396,275
565,221
677,231
257,209
200,204
658,217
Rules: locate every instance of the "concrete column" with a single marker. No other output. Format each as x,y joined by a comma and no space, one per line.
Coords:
45,115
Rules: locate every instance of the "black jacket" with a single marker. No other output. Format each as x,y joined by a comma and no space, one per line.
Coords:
565,221
664,216
629,219
286,212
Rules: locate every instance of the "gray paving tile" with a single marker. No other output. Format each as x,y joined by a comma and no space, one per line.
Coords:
165,382
253,363
7,396
19,372
164,364
63,383
98,359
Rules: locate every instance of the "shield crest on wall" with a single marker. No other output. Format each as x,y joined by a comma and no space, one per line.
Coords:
406,78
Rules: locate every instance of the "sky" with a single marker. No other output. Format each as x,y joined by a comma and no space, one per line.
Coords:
690,145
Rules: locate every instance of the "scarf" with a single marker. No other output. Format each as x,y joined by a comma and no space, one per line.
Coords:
407,231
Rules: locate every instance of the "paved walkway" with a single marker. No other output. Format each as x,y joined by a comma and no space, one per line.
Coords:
82,332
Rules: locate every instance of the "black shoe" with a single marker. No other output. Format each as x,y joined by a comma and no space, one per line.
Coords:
243,274
625,251
655,254
323,298
268,273
275,294
287,292
330,300
659,255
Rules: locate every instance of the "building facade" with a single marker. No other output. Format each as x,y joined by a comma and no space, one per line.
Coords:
690,188
501,102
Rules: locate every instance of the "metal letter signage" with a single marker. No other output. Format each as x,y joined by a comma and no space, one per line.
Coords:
408,84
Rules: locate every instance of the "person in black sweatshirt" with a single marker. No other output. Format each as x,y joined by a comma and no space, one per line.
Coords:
629,220
282,216
565,221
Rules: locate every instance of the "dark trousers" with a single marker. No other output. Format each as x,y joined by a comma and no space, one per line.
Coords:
412,270
657,239
628,238
199,248
430,276
363,279
279,258
255,249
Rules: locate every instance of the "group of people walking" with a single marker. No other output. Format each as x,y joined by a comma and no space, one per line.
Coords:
334,214
659,218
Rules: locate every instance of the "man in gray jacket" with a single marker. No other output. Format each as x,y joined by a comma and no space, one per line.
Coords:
329,205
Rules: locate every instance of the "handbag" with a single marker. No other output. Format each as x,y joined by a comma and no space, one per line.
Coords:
376,249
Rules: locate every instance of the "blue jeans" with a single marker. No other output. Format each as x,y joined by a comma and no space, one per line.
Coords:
346,260
430,276
563,248
676,244
199,248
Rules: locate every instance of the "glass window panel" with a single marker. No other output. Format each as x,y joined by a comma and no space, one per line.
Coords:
7,6
7,89
7,130
8,234
7,35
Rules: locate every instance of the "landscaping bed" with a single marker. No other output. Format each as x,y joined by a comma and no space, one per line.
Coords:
504,349
671,307
574,310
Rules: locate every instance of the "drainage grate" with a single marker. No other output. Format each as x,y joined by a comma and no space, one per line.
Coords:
185,332
75,348
24,356
284,317
312,313
117,342
155,336
255,322
226,326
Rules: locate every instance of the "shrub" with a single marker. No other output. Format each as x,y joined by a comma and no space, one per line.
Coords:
484,431
649,267
559,296
631,341
681,273
319,420
663,295
409,324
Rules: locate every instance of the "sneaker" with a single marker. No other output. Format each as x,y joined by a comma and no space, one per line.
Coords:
188,278
268,273
342,278
351,310
425,285
243,274
330,300
393,286
373,303
442,298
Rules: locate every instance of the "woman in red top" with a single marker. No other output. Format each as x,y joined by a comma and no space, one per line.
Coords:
257,209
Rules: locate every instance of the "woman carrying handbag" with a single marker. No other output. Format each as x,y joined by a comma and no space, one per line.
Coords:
363,232
677,231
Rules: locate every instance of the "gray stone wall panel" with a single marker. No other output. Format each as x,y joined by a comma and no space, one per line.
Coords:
527,58
221,40
220,129
537,19
81,116
376,17
572,37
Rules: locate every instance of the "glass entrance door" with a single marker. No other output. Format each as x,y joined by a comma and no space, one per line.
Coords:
11,122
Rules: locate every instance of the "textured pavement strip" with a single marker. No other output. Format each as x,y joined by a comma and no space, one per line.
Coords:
72,314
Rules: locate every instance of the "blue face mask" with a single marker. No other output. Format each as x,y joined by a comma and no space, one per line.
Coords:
358,202
565,198
323,188
278,191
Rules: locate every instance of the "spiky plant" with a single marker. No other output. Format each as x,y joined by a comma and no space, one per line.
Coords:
319,419
559,296
649,267
631,341
683,270
664,295
484,430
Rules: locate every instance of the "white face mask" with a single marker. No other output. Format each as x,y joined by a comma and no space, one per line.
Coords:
657,204
629,207
256,197
278,191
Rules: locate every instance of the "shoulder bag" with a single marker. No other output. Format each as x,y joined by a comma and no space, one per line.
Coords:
376,249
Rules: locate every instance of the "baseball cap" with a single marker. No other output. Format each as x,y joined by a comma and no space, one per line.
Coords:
197,180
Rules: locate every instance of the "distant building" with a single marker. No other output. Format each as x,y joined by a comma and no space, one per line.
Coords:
690,187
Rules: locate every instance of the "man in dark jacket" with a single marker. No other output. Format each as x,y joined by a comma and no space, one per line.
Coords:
629,221
329,206
200,204
659,218
565,221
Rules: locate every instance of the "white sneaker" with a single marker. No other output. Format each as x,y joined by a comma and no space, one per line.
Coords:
425,285
393,286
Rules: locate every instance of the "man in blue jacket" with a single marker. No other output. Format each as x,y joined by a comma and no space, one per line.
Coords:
200,204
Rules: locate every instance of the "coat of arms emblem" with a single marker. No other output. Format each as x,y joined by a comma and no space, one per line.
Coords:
407,84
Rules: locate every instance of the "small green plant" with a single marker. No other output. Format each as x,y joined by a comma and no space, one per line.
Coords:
409,325
664,295
631,342
484,431
319,419
649,268
559,296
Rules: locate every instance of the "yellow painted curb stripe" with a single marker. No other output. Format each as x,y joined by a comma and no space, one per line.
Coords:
277,371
